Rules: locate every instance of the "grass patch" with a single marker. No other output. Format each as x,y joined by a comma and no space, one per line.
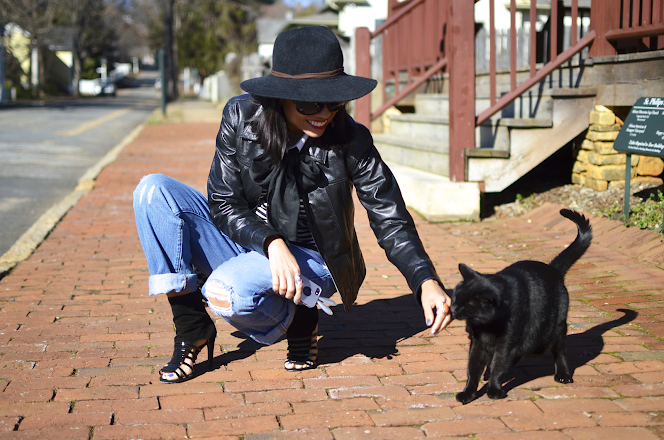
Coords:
646,214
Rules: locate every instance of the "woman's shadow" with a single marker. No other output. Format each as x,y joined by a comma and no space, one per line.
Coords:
581,349
373,329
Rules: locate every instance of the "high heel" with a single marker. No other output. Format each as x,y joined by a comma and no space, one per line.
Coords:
192,325
302,352
181,366
302,340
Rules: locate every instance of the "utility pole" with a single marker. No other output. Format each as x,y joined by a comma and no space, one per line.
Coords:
103,70
2,64
162,75
34,71
171,83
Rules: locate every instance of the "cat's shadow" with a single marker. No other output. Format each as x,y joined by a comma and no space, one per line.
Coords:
582,348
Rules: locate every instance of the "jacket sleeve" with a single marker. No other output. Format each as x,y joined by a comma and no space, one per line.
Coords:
393,225
228,204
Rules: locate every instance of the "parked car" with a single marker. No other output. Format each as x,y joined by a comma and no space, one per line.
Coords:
96,87
105,88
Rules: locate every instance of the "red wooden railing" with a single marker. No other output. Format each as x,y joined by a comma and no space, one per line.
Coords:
616,23
555,59
415,47
412,47
461,72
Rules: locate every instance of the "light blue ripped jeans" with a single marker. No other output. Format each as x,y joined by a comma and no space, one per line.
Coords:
176,231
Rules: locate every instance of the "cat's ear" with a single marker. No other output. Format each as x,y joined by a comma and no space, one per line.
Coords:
467,272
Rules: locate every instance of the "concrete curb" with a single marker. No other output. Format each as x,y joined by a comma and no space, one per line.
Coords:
32,238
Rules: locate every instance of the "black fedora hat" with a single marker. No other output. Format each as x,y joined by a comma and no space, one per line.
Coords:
308,65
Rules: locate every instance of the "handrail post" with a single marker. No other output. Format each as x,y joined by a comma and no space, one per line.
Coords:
363,68
604,16
461,68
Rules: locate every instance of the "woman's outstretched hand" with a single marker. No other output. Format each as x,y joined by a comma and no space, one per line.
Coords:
436,304
285,270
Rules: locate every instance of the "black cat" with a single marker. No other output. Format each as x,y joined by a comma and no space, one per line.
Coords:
518,311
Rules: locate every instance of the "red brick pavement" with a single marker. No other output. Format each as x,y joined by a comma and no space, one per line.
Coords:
81,339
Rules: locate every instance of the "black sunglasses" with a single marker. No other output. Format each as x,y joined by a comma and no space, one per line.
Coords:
311,108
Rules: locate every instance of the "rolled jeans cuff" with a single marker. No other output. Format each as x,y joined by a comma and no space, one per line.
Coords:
278,331
172,282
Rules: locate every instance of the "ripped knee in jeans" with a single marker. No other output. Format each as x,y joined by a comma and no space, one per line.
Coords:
219,298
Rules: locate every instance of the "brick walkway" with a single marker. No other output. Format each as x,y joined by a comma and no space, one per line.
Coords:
81,340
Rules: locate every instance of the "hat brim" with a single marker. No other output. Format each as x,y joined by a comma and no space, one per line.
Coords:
332,89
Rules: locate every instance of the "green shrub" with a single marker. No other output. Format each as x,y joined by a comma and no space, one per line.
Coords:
646,214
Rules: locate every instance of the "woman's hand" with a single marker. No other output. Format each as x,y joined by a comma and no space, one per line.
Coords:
284,269
435,298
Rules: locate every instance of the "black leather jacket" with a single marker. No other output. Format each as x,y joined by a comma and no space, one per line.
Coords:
233,196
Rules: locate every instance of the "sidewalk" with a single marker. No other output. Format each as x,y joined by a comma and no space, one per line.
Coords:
81,341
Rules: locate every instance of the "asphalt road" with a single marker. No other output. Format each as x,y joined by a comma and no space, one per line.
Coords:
46,148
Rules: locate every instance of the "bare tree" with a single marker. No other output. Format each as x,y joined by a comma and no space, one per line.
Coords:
36,17
96,28
94,33
212,29
160,17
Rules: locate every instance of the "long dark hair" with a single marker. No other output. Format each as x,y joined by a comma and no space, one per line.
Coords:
269,123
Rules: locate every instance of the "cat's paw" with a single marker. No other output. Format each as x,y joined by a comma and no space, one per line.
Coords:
563,378
496,393
465,397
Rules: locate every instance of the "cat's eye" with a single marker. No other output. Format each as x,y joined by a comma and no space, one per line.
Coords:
488,302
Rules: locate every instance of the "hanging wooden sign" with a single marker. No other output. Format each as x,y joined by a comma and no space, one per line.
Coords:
642,134
643,130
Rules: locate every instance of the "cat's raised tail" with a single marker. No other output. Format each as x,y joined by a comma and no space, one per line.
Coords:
568,257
